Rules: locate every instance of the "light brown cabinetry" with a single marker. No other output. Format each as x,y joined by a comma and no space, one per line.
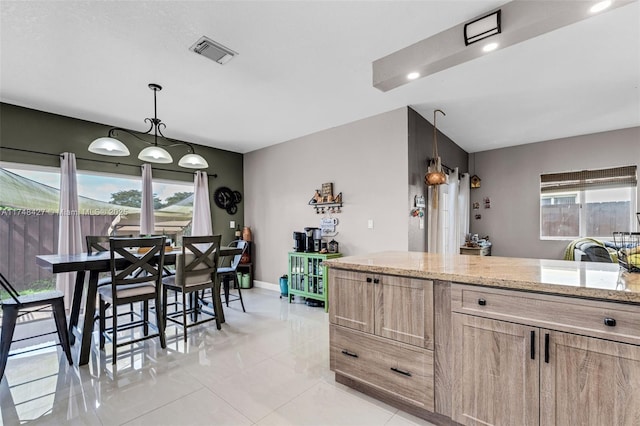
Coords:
381,334
589,381
398,308
495,377
507,368
404,371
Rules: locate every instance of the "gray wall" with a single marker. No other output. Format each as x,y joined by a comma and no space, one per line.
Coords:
511,179
420,148
40,131
366,160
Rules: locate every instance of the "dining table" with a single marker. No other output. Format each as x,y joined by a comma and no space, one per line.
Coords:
95,263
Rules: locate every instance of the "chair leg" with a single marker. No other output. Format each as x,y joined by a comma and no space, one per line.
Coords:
184,315
240,296
60,318
114,334
9,318
145,317
103,322
160,322
225,284
165,293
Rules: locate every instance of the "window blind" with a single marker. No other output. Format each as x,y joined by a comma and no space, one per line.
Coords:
589,179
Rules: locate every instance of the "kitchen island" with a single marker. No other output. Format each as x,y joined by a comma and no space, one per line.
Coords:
488,340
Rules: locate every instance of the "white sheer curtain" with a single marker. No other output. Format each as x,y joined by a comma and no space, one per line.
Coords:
147,221
201,222
448,220
69,232
435,219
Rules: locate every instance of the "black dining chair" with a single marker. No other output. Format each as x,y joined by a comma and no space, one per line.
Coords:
136,277
16,306
229,273
196,270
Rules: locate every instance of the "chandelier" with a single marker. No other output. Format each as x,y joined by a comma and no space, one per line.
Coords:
435,175
154,153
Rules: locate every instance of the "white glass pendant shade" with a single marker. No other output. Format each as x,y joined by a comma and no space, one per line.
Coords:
193,161
109,146
155,154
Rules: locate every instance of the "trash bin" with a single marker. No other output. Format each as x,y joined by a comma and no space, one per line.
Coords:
245,280
284,286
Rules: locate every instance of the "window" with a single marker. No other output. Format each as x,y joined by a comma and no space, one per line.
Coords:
589,203
108,204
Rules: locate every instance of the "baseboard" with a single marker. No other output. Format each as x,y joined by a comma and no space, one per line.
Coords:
266,285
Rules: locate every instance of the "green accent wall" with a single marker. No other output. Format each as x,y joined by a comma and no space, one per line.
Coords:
33,130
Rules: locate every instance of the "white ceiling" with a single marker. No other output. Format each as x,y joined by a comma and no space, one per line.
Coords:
306,66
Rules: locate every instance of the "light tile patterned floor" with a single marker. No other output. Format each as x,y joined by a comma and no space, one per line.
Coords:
269,366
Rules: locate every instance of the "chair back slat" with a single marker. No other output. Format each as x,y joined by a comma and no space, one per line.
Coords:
100,243
97,243
199,260
9,289
141,268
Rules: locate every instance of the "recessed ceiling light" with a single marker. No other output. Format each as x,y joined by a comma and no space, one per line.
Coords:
489,47
600,6
413,75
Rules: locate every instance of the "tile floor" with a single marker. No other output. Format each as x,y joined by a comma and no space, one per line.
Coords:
269,366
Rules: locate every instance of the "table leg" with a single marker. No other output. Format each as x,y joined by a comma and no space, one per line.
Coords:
89,310
75,305
217,300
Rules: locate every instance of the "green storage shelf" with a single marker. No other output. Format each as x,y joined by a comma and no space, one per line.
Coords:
308,276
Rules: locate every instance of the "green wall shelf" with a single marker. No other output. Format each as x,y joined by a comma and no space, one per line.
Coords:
308,276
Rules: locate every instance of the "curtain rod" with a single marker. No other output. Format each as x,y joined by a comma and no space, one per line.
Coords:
101,161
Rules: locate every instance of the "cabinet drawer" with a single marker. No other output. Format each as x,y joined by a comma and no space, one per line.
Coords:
401,370
605,320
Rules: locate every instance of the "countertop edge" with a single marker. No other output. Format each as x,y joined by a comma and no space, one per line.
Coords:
619,296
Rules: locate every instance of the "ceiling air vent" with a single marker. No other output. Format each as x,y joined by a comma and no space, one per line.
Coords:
212,50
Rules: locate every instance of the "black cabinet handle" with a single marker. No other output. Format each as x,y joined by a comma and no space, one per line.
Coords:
404,373
482,302
610,322
369,280
351,354
533,344
376,281
546,348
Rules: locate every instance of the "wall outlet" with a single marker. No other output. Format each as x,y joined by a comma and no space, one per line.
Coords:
232,224
370,224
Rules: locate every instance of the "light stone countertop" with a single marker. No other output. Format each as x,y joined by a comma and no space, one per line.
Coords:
580,279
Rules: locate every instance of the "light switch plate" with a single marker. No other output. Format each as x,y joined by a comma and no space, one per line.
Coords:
232,224
370,224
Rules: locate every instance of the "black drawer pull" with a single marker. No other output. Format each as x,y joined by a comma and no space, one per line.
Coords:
610,322
533,344
482,302
376,281
351,354
369,280
546,348
404,373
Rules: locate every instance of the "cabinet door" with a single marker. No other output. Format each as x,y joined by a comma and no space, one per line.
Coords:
589,381
351,300
495,379
297,274
404,310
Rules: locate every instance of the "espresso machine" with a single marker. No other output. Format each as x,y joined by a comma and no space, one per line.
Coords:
311,234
